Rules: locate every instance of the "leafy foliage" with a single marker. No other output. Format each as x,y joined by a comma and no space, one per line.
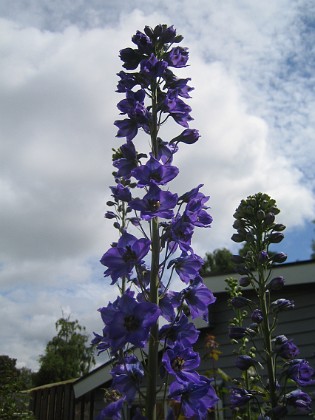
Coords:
67,355
13,404
218,262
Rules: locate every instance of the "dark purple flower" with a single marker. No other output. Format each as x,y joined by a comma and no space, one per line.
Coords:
182,332
131,58
257,316
122,258
181,362
196,397
127,82
113,409
240,302
188,136
165,151
276,283
127,321
192,194
127,128
177,57
300,371
280,305
178,110
156,203
300,400
196,212
125,160
127,377
121,193
154,172
177,87
152,67
236,333
239,397
187,266
198,297
244,362
143,42
285,348
179,233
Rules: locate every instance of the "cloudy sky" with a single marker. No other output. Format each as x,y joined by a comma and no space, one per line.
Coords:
252,66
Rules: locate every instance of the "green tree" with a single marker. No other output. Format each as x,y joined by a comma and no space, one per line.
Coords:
218,262
67,355
13,403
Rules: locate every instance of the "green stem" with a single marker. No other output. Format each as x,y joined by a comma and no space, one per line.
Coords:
154,283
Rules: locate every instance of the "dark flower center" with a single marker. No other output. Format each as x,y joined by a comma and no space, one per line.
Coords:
129,255
131,323
178,363
154,204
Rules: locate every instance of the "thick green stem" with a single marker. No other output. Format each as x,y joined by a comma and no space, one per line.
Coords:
267,340
154,284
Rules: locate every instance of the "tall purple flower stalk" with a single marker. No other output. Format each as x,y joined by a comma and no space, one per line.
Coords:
255,326
144,263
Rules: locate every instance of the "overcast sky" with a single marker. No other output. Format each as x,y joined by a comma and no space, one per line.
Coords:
252,66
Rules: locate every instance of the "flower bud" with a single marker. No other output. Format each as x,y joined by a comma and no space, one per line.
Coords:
244,362
276,283
275,238
279,258
244,281
240,302
257,316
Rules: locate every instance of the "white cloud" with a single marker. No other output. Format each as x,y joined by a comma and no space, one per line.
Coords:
57,109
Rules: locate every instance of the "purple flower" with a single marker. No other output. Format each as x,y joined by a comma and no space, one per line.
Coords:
187,266
152,68
198,297
115,402
280,305
165,151
177,57
196,398
122,258
181,362
188,136
195,211
127,377
178,87
156,203
244,281
300,371
179,233
300,400
178,110
127,321
180,332
154,172
285,348
239,397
